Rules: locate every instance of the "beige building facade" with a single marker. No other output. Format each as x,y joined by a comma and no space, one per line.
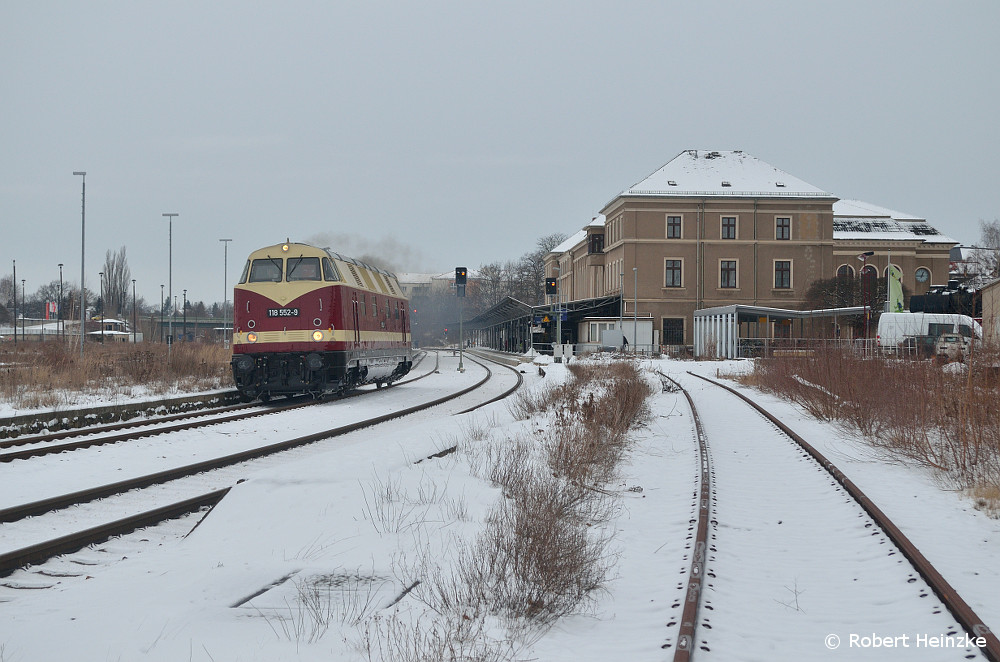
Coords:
991,313
720,228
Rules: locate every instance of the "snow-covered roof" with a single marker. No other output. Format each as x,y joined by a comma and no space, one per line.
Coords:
577,237
598,221
886,229
722,173
860,208
414,278
857,220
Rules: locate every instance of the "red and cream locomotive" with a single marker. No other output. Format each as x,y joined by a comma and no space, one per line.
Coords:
307,320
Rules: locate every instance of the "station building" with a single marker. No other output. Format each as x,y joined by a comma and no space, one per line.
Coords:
720,228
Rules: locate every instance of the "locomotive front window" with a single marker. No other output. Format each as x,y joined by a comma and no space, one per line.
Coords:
246,272
302,268
265,271
330,270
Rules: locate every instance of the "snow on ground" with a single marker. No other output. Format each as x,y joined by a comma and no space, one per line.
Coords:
357,520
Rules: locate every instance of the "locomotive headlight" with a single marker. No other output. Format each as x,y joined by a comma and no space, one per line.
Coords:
317,336
251,337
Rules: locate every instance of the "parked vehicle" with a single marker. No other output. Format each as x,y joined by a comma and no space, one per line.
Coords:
897,330
951,347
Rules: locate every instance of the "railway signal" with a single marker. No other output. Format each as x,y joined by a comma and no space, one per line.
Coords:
461,274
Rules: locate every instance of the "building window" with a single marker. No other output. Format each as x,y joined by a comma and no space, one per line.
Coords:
673,227
845,271
597,329
782,274
673,331
727,274
782,228
674,271
596,243
729,227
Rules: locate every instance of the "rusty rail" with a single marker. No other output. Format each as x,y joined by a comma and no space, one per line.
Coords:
696,576
958,607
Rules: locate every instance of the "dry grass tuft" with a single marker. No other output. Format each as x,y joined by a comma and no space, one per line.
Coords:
912,409
49,374
544,551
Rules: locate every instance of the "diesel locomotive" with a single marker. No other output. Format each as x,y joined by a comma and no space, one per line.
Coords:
307,320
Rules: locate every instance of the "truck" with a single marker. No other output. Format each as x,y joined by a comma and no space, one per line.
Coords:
913,331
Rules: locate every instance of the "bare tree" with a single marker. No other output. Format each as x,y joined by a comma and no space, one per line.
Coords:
989,240
6,299
117,282
531,269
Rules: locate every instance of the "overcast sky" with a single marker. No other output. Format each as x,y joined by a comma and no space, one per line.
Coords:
457,133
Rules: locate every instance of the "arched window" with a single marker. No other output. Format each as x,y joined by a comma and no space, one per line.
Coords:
845,271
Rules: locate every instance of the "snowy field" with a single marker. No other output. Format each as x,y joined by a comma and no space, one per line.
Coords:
308,558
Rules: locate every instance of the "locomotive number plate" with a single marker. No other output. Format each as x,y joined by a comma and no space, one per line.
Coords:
282,312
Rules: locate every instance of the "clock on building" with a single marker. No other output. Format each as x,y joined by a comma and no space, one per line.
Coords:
922,275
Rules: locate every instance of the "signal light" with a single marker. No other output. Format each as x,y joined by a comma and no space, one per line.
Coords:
460,275
550,286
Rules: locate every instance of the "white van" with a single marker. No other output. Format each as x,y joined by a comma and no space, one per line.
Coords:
895,328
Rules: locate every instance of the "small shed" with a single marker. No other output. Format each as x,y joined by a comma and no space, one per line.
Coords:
738,331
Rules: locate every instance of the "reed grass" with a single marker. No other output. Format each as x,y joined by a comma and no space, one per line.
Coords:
940,417
53,375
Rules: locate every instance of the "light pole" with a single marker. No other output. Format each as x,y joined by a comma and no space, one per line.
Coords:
24,307
621,303
103,304
635,309
133,311
170,280
185,306
161,312
83,237
62,335
864,286
225,291
557,355
13,287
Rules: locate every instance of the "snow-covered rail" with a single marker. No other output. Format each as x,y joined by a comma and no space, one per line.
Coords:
800,561
10,561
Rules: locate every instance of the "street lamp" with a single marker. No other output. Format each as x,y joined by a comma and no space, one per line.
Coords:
161,312
225,292
83,236
170,280
103,305
62,335
185,306
133,311
23,308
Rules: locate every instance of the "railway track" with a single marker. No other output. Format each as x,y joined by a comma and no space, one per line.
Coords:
39,552
745,515
46,444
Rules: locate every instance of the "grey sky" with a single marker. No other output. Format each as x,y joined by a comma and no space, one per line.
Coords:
457,133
